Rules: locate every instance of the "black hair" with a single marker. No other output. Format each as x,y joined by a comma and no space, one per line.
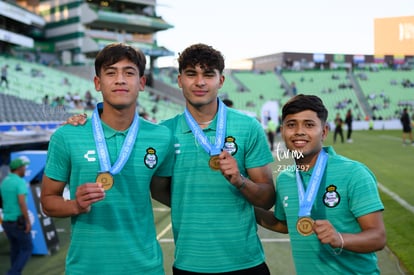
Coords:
301,102
115,52
203,55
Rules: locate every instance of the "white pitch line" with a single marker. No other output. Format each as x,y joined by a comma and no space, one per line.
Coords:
161,209
267,240
166,240
397,198
163,232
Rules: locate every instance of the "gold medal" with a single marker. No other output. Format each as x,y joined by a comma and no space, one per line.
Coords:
106,179
304,226
214,162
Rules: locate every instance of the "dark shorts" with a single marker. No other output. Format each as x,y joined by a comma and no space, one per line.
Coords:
261,269
407,129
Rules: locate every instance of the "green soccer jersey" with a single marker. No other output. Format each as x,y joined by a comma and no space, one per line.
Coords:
11,187
213,224
348,190
118,235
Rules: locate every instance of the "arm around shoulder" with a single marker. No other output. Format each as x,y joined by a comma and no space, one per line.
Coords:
259,188
266,219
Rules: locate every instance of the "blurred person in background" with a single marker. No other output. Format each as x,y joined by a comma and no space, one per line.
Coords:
4,76
348,122
407,127
271,132
16,220
338,128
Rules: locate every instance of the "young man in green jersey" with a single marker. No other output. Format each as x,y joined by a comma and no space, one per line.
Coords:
222,170
329,204
110,164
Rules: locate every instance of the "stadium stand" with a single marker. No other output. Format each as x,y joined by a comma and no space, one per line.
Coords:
250,90
359,91
35,82
387,91
334,87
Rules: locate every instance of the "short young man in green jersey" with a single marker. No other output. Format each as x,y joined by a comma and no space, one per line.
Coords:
329,204
110,164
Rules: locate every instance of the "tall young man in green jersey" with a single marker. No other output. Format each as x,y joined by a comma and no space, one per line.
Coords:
222,170
329,204
110,164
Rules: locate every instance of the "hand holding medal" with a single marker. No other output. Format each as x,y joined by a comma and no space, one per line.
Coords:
87,194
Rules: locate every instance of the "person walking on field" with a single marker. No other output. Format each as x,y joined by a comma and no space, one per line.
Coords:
348,122
338,128
407,129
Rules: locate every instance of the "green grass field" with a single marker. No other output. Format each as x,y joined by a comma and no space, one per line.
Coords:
381,151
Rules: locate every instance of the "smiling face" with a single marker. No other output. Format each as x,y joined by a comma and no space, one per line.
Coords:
304,132
200,86
120,83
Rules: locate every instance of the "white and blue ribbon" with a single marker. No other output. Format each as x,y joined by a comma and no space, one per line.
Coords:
102,149
211,149
306,199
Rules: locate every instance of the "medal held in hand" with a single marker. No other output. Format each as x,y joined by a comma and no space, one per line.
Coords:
213,150
214,162
304,226
106,179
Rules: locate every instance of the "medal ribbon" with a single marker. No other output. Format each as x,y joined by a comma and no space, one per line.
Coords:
306,199
220,130
103,149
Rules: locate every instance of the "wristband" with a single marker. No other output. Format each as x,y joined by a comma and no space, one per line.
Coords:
338,250
243,182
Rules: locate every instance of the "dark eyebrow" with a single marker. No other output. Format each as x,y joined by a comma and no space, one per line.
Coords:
295,120
123,68
191,70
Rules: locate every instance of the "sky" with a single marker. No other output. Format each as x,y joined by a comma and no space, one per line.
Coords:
243,29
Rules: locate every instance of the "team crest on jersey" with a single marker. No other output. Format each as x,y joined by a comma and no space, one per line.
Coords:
331,198
151,158
230,145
